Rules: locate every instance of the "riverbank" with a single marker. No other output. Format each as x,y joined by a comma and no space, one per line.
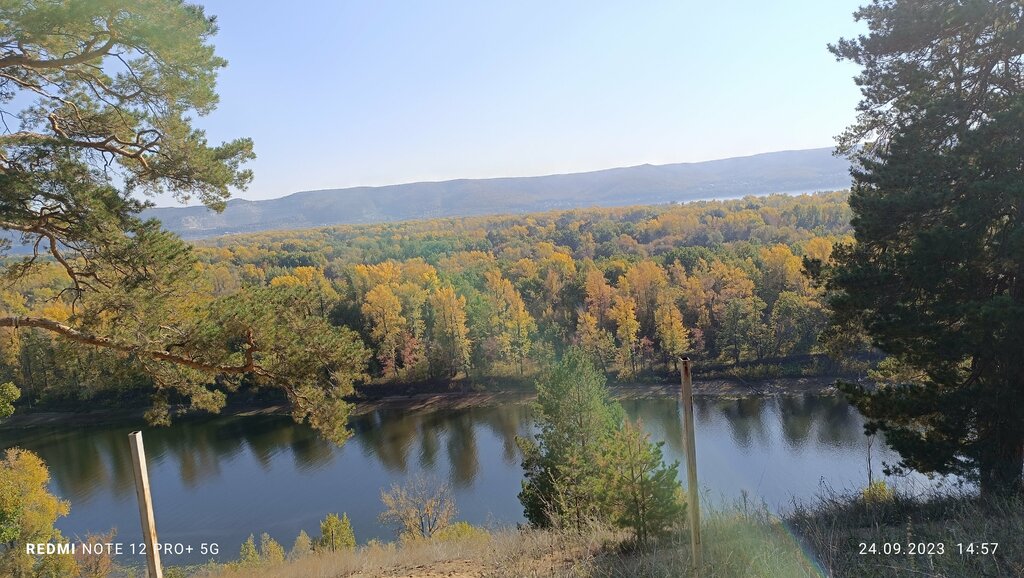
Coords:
389,399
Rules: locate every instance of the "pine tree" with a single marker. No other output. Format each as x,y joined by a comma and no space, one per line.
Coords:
575,416
936,276
107,94
640,491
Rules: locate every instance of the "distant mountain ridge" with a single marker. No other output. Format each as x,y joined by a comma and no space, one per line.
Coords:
776,172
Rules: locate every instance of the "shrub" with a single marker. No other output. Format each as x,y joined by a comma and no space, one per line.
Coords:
877,492
418,509
461,531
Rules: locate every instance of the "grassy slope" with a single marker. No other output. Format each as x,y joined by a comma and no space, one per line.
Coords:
737,543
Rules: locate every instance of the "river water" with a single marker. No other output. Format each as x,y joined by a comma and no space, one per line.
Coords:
218,480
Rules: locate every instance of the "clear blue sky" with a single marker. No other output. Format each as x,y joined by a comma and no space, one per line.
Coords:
343,93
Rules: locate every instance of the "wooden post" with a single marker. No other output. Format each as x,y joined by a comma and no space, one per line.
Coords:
145,506
690,445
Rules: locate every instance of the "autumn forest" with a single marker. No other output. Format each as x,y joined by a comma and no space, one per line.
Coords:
497,297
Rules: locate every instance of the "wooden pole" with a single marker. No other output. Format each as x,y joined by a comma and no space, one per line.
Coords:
145,505
689,443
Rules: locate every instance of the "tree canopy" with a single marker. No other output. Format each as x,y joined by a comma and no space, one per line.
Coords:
97,103
936,275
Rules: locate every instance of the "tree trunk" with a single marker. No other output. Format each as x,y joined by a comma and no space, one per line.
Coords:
1001,468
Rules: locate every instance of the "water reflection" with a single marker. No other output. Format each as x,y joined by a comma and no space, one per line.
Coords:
223,478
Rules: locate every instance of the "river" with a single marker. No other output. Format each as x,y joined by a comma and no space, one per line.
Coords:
220,479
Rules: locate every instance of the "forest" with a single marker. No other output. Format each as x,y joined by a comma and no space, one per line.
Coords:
486,299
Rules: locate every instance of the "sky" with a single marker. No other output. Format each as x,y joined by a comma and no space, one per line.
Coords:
339,93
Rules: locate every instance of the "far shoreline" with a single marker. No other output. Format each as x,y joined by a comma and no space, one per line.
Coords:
449,400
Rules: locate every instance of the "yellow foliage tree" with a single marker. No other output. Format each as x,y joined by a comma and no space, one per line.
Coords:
449,347
383,313
512,324
673,337
627,330
27,514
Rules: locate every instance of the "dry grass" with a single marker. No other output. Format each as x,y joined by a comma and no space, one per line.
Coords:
836,526
503,553
738,542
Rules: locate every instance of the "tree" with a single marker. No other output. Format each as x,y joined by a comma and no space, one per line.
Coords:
383,312
511,322
672,334
936,275
303,545
795,323
248,556
99,562
646,283
639,489
105,97
8,395
627,330
575,416
598,343
449,347
336,533
781,270
271,552
27,514
742,327
418,509
598,295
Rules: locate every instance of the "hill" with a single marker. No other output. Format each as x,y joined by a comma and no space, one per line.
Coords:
777,172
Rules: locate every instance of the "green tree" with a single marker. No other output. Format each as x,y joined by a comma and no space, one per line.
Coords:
639,489
936,276
106,97
8,395
336,533
576,417
742,328
795,323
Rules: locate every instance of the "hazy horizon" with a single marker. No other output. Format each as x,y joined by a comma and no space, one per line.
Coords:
367,95
243,197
